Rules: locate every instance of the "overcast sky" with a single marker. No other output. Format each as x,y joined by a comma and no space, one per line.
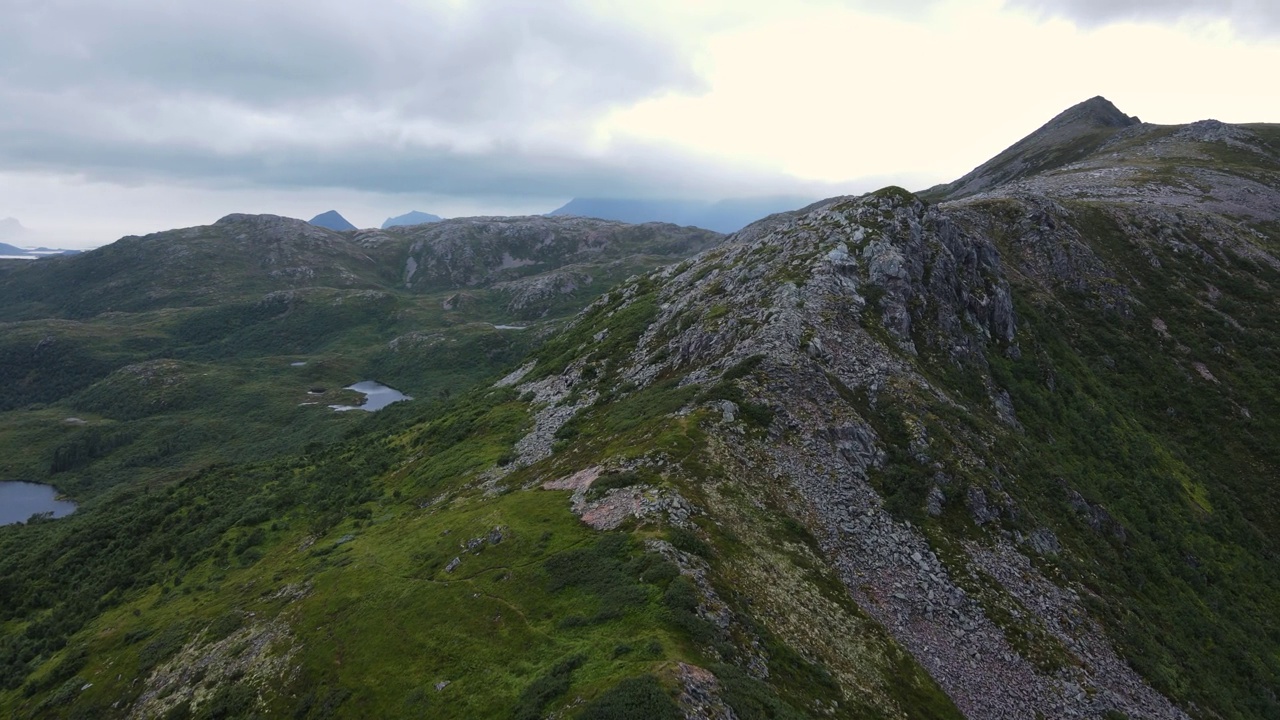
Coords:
140,115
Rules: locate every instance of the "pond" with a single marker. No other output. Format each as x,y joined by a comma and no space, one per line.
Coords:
20,500
376,397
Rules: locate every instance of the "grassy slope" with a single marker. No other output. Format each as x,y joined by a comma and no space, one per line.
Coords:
1114,410
211,496
1196,587
369,529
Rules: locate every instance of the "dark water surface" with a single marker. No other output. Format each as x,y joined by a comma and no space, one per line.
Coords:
20,500
377,396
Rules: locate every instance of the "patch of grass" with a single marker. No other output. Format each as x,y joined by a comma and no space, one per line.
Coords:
750,698
546,688
601,569
164,646
223,626
640,698
614,481
689,542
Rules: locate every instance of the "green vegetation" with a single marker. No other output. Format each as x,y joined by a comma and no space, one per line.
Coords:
496,606
241,551
227,515
1153,477
221,501
1172,459
1145,442
637,698
545,689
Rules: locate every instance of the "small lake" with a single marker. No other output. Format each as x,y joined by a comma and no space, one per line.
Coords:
376,397
20,500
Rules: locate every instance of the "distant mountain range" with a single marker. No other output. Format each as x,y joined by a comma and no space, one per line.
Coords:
7,249
410,218
12,230
332,220
724,216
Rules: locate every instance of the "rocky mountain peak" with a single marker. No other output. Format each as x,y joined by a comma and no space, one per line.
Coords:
1094,112
332,220
1071,135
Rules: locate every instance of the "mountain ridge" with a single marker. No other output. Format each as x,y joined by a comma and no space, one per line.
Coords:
413,217
725,216
1005,454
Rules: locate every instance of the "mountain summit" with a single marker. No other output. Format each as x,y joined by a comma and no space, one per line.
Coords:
1097,111
414,217
1070,135
332,220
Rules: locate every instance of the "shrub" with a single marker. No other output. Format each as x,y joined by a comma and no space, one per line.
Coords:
639,698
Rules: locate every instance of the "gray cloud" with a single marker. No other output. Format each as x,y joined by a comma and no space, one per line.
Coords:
630,170
465,61
488,97
1247,17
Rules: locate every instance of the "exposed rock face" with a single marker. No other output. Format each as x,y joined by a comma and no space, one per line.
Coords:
470,252
530,296
844,302
256,656
1206,169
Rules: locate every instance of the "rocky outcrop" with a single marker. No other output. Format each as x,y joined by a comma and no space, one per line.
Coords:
851,308
473,252
532,297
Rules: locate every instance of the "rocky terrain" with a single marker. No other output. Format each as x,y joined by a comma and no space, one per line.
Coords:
938,288
467,252
869,313
1004,449
248,255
